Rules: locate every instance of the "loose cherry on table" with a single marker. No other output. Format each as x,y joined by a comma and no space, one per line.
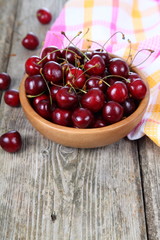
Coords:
11,141
30,41
5,81
11,98
44,16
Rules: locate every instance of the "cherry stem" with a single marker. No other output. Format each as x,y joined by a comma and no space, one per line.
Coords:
48,55
123,37
116,76
71,41
129,54
50,98
31,96
83,36
102,47
150,50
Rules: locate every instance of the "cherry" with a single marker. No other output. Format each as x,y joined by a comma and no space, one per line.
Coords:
66,98
35,85
76,77
5,81
96,82
82,117
43,108
103,54
129,106
37,99
72,55
61,117
118,67
11,141
32,65
44,15
66,67
98,123
11,98
52,72
112,112
51,53
53,91
30,41
117,92
137,89
133,76
95,66
112,80
93,99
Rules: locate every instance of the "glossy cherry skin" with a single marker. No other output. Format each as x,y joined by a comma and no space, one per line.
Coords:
52,72
5,81
51,53
96,82
137,89
103,54
95,66
32,65
98,123
44,15
118,67
117,92
11,98
133,76
30,41
93,99
35,85
53,91
61,117
82,117
43,108
72,55
11,141
66,98
76,78
129,106
112,112
37,99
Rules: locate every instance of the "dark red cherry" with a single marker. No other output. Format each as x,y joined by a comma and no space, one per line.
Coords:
76,77
52,72
93,99
112,80
117,92
98,123
72,55
137,89
82,117
66,68
103,54
53,91
11,97
35,85
61,117
44,15
133,76
30,41
32,65
66,98
118,67
37,99
96,82
112,112
5,81
43,108
11,141
51,53
129,106
95,66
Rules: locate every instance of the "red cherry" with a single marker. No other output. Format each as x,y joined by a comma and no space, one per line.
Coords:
118,67
76,77
129,106
32,67
66,98
43,108
11,141
5,81
137,89
44,15
30,41
103,54
61,117
72,55
112,112
35,85
117,92
133,76
51,53
93,100
98,123
53,90
82,117
11,98
52,72
37,99
96,82
95,66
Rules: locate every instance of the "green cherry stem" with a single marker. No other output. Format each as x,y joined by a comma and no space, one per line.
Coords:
47,86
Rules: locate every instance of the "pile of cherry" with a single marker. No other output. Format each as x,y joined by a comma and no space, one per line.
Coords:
81,89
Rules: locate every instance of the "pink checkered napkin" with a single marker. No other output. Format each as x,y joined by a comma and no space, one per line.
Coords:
139,21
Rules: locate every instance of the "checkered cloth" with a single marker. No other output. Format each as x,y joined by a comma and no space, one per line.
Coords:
139,20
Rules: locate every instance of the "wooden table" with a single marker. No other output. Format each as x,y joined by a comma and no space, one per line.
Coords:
109,193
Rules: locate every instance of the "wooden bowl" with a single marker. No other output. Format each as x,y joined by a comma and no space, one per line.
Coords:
83,138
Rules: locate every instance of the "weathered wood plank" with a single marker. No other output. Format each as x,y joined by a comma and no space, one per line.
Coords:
150,166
